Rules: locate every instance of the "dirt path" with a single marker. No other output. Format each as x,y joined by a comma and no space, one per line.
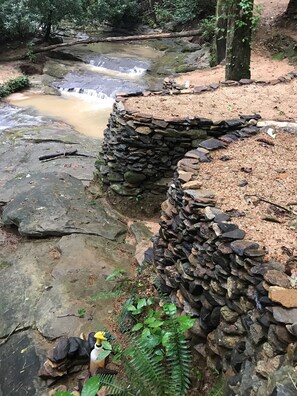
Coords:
263,66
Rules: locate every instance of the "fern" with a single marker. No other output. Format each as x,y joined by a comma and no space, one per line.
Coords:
178,363
147,375
115,386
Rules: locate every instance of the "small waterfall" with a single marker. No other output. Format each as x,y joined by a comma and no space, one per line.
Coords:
86,91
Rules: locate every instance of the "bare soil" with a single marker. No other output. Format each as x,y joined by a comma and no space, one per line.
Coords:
273,102
267,172
8,71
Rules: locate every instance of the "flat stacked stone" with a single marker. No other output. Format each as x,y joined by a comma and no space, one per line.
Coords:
246,307
139,151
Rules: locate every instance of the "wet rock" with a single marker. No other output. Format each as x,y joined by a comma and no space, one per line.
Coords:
21,358
56,204
134,178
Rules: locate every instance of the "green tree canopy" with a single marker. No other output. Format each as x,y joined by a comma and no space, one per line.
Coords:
51,12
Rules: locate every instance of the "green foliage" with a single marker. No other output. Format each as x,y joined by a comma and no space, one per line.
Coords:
208,28
17,20
14,85
81,312
155,326
51,12
182,11
90,388
119,13
218,388
117,273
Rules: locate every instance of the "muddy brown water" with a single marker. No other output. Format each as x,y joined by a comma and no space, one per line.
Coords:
109,67
85,113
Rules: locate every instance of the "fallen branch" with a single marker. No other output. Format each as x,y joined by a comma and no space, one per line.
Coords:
271,203
106,40
72,153
66,315
53,156
10,334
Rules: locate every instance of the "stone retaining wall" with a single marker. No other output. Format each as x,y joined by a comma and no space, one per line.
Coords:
139,152
214,274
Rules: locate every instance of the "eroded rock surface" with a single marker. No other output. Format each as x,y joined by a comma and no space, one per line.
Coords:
56,204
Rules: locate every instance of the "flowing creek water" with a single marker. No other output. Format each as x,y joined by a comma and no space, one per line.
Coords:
88,88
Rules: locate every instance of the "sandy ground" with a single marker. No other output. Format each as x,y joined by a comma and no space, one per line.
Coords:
273,102
262,68
270,172
8,71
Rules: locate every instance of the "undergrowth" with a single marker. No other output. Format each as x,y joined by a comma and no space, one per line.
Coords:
14,85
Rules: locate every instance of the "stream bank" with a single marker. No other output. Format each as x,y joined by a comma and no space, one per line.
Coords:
59,238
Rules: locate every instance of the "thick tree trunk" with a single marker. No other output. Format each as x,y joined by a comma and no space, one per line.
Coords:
239,32
292,8
106,40
221,30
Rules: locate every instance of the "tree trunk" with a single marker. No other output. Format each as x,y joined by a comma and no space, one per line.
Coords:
47,32
105,40
48,27
221,30
239,32
292,8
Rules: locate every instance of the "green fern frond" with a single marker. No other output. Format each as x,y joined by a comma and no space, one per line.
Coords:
146,375
114,386
179,364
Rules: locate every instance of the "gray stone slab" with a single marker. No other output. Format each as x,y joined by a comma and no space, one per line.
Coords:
56,204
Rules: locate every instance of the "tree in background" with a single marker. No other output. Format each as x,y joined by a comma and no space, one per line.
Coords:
119,13
234,26
51,12
239,37
17,19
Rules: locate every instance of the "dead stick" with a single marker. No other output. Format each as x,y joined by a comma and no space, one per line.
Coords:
9,335
65,316
269,202
53,156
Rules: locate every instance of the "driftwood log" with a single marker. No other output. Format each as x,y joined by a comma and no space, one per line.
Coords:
104,40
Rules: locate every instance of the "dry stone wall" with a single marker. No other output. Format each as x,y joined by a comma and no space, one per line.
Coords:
213,273
139,152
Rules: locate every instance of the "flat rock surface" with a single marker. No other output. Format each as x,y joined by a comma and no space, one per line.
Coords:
26,138
56,204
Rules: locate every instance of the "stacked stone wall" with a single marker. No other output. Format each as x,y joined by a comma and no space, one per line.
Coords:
213,273
139,152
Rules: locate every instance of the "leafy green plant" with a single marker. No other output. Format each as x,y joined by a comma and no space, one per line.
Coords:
30,54
117,273
14,85
81,312
90,388
155,326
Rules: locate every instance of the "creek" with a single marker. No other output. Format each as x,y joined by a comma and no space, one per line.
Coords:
87,89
